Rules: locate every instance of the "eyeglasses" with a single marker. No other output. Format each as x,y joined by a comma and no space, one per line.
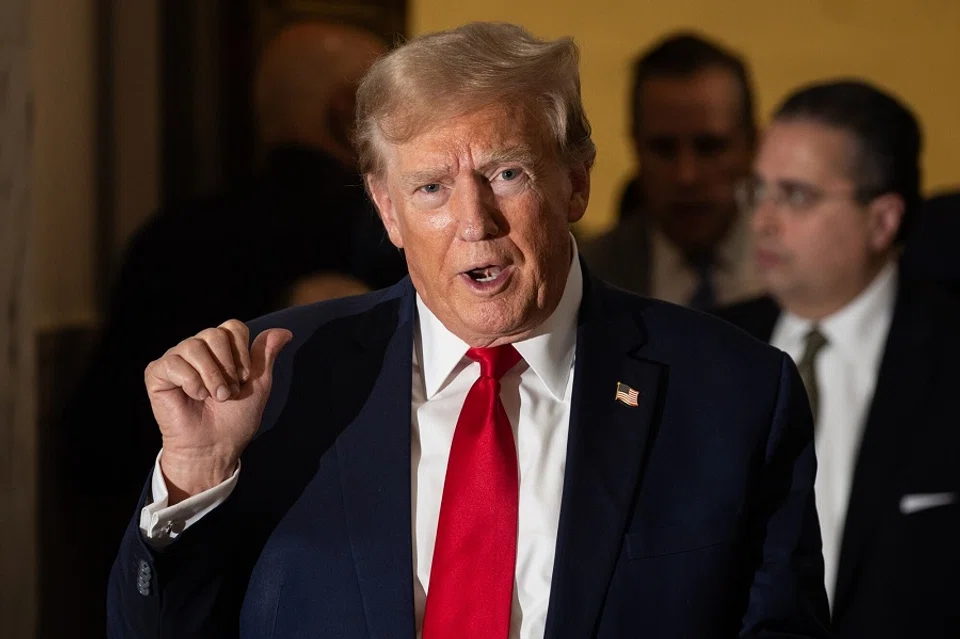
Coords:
789,195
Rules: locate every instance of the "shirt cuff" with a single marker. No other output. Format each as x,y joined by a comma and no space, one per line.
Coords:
160,524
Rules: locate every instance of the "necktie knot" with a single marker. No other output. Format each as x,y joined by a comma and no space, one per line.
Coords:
495,361
815,343
705,295
807,366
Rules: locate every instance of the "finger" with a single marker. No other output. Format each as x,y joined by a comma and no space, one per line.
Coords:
265,348
172,371
220,344
197,354
240,342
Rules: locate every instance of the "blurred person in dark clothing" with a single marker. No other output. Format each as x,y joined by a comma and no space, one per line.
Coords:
306,212
236,255
835,188
932,250
680,237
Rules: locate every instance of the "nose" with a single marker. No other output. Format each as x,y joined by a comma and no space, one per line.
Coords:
764,218
688,167
475,206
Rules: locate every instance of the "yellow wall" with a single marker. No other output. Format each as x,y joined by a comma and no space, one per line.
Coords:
911,48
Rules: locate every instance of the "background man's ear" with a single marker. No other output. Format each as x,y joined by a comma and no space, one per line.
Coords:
886,216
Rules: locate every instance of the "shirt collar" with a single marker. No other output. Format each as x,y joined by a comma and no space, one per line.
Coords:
549,351
849,329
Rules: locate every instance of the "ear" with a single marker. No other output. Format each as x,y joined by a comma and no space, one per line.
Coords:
579,175
377,187
885,214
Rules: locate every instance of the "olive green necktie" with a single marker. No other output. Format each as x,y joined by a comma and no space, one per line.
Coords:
808,368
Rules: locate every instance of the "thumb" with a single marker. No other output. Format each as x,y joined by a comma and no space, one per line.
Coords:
265,348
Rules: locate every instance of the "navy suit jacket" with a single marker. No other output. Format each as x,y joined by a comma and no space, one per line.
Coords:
898,571
690,515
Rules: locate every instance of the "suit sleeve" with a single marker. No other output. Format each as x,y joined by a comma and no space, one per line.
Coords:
194,587
787,596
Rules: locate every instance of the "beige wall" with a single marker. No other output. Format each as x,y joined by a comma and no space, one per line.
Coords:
66,153
136,106
64,185
18,521
910,47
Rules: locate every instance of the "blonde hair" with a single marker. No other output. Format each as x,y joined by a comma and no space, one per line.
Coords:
455,72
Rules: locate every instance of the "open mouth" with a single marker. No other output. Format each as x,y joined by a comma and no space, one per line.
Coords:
485,274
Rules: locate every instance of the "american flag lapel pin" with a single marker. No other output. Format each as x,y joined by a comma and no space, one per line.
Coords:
627,395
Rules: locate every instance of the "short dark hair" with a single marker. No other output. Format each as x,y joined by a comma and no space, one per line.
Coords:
887,133
684,54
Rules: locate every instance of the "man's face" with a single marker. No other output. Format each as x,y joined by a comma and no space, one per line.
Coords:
817,246
481,206
693,148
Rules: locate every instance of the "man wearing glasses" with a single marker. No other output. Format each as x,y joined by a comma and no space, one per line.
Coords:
835,184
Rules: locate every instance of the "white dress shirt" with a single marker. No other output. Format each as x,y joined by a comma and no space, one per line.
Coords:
847,369
536,395
734,276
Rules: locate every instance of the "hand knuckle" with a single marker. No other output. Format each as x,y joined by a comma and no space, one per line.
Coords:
233,325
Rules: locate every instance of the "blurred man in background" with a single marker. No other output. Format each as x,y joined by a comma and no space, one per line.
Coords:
238,254
693,132
835,187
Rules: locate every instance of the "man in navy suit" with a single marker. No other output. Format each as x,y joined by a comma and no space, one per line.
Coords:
499,446
836,186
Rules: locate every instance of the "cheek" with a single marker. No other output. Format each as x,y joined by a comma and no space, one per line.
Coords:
539,232
827,248
427,241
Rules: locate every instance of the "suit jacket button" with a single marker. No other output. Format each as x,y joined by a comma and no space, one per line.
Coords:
144,574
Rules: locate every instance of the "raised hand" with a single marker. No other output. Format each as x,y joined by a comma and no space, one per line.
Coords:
208,394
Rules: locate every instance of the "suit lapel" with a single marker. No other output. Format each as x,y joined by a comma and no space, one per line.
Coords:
605,454
901,386
374,463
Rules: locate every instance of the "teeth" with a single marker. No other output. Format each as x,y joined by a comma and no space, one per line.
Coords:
485,275
489,274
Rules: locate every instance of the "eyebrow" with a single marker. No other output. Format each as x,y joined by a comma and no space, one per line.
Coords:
416,179
790,183
521,154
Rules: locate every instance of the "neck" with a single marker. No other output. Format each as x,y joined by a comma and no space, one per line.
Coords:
816,308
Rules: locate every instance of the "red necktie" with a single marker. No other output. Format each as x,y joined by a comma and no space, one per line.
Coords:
471,579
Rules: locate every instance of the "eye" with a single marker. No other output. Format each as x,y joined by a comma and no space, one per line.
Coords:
509,174
710,145
662,147
798,197
430,188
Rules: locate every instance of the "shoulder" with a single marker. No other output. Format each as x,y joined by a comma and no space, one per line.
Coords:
379,306
715,374
679,332
756,316
632,232
924,306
